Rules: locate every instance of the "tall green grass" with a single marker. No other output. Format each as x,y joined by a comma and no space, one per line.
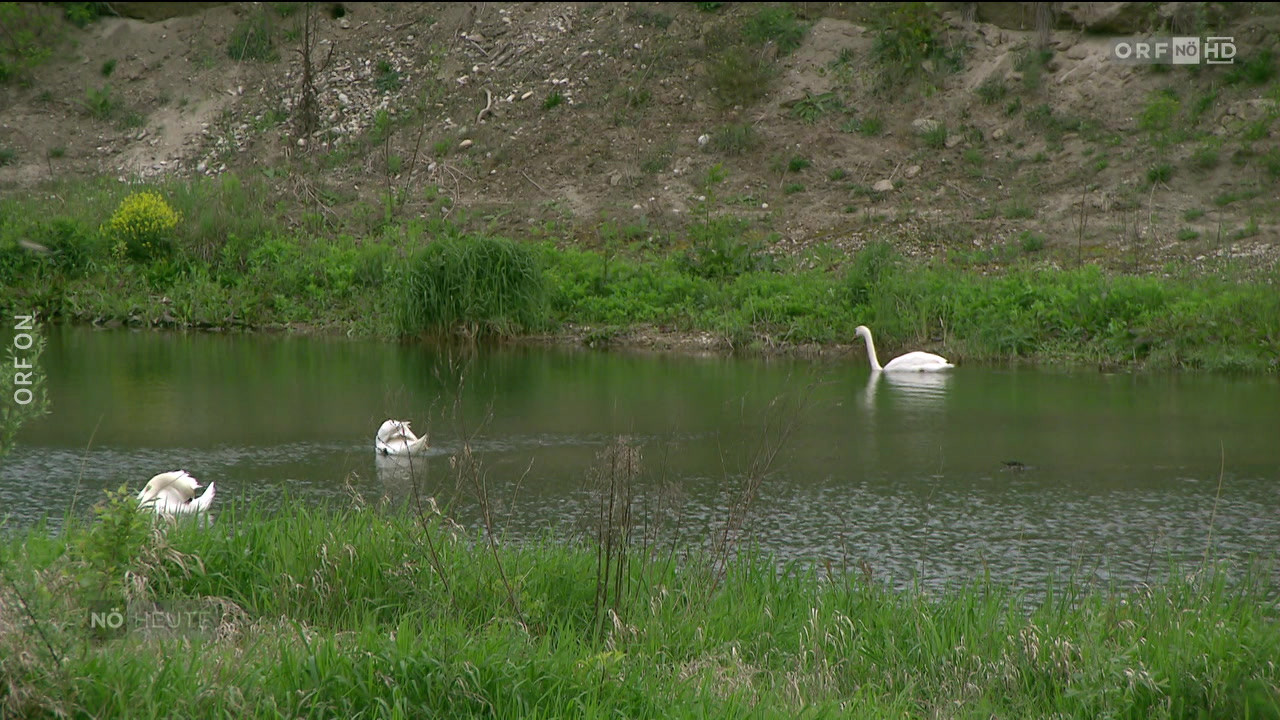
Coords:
337,613
491,286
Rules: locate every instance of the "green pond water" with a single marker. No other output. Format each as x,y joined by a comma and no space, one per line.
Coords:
1116,475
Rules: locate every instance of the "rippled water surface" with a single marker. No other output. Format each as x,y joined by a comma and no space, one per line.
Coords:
1115,474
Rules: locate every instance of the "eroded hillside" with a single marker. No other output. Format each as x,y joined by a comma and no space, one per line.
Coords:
819,124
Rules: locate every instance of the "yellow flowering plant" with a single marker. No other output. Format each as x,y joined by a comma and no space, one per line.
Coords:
144,225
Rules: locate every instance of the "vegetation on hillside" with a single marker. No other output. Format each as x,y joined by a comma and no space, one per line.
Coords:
210,253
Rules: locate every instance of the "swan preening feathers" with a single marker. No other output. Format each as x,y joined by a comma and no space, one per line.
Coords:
911,362
395,438
174,493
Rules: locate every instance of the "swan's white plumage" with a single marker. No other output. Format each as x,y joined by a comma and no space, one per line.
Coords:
395,438
174,493
911,362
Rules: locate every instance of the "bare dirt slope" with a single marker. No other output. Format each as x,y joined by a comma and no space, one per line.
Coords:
576,114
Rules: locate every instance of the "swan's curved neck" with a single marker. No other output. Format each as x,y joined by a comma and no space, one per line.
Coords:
871,352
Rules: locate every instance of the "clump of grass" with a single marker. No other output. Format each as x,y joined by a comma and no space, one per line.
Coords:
1031,242
1193,214
992,90
486,285
1018,209
793,188
637,97
108,67
872,265
1032,63
735,139
253,39
1271,163
1258,69
935,137
869,126
1188,234
388,79
740,76
1205,157
100,103
1157,119
798,163
555,99
910,43
7,156
1249,230
1161,173
777,25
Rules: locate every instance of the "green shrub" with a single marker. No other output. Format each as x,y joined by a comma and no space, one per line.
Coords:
719,251
27,34
81,14
74,247
813,106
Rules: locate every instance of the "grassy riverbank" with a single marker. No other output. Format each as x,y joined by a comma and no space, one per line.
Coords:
351,613
229,260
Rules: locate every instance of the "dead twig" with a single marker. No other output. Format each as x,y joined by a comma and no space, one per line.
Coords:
533,182
957,188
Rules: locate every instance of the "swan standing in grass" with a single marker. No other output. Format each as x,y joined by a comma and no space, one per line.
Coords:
395,438
911,362
174,493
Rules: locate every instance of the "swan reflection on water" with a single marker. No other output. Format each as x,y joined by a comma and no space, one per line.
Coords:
397,473
921,391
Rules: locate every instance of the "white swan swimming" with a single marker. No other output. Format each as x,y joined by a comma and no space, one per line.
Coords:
395,438
174,493
911,362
